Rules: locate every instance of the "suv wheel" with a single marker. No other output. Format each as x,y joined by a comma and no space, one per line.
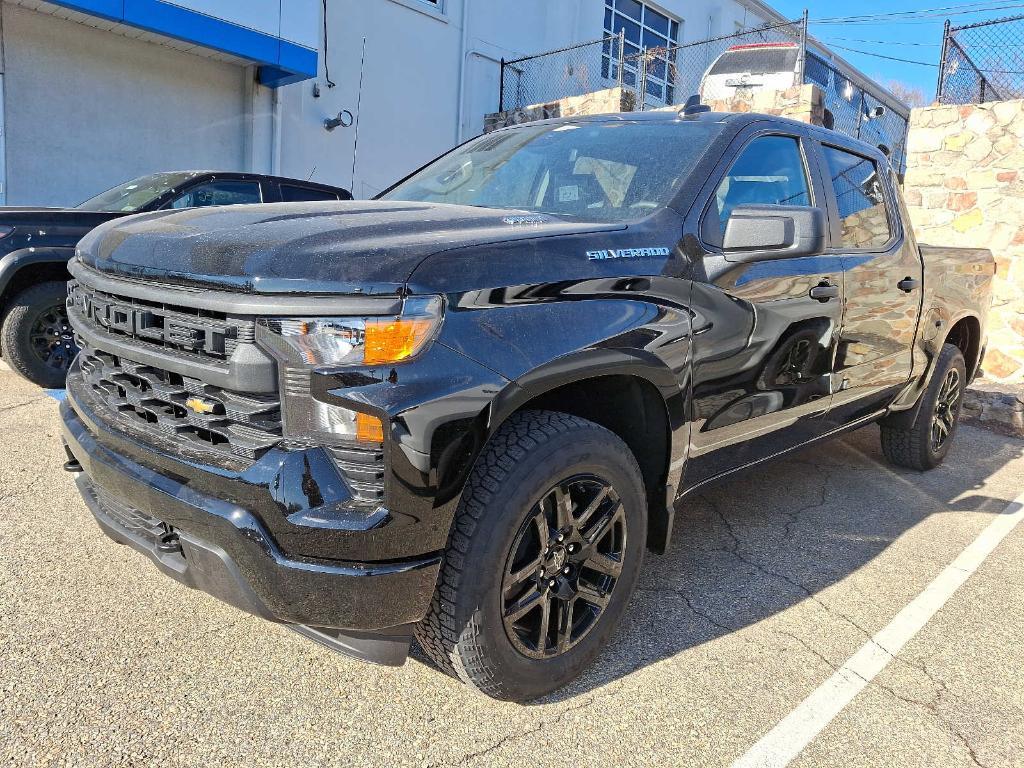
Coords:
924,444
37,339
544,554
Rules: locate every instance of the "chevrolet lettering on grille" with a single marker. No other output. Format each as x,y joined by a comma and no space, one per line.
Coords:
207,336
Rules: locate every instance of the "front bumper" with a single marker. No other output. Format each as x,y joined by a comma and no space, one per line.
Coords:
222,548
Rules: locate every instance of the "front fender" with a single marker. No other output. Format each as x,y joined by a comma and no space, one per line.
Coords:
591,364
15,261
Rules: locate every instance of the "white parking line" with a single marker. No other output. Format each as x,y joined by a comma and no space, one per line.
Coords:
786,740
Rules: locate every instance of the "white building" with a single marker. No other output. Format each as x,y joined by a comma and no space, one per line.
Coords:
99,91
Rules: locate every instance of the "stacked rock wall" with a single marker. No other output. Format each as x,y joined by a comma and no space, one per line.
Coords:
965,187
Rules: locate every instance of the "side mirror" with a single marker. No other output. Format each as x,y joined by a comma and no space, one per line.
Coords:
765,232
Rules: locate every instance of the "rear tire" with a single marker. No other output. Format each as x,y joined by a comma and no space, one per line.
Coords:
544,475
923,444
36,337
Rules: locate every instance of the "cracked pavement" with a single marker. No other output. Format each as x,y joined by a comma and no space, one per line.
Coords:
774,579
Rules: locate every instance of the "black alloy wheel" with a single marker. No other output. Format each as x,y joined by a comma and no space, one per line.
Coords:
544,552
947,409
921,437
562,567
36,338
51,338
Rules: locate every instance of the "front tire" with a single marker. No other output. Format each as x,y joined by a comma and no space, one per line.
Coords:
923,444
543,556
37,339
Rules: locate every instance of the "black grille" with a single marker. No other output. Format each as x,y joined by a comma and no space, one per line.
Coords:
198,332
183,408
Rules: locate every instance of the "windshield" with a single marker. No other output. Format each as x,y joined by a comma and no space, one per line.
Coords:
604,172
756,61
134,194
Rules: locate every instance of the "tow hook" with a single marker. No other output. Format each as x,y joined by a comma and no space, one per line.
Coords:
169,543
71,465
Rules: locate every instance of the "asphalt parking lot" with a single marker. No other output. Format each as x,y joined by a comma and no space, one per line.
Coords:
774,582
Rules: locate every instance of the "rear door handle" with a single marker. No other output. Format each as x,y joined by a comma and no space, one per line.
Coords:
824,292
908,284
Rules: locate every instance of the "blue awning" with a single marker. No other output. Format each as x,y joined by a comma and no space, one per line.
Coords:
280,61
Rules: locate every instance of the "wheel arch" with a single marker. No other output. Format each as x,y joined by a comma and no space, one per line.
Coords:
965,335
629,392
48,264
26,267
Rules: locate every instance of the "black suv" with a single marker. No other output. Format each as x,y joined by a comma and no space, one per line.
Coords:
36,243
463,411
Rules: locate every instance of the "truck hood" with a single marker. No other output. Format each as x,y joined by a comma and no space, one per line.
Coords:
336,247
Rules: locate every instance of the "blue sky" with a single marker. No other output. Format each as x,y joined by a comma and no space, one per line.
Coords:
918,38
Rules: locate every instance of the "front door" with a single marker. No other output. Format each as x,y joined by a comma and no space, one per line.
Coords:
883,279
763,345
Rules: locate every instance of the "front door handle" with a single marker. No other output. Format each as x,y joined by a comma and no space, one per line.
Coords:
908,284
824,292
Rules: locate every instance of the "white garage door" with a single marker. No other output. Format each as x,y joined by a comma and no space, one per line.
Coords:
86,109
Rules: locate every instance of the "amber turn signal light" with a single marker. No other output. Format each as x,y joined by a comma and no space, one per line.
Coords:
369,429
388,341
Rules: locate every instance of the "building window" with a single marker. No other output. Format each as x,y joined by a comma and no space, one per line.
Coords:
645,30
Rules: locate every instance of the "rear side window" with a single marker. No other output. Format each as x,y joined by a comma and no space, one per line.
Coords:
223,192
756,61
769,171
861,200
291,193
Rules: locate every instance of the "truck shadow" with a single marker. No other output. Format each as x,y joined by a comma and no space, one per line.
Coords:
776,535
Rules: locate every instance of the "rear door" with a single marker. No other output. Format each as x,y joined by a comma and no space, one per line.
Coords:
763,346
883,279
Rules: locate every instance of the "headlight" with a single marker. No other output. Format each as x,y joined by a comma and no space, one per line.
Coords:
303,344
356,340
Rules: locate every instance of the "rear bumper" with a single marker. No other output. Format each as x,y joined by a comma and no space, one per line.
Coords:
223,549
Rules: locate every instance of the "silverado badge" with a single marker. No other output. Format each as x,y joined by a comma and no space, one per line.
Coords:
627,253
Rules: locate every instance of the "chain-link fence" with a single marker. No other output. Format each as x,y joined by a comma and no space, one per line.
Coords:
666,75
856,109
982,62
571,71
771,56
670,75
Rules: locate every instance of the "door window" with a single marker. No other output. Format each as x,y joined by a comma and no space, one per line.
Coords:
861,200
223,192
769,171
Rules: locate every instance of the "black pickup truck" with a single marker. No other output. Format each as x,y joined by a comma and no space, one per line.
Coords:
36,243
464,410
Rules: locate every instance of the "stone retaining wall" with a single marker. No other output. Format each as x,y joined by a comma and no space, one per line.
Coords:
596,103
805,103
965,187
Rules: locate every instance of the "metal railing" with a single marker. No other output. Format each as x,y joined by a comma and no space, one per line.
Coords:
982,62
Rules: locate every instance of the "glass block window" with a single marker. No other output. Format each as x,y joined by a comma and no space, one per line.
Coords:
645,29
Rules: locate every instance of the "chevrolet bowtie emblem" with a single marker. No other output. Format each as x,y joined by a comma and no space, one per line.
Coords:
199,405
